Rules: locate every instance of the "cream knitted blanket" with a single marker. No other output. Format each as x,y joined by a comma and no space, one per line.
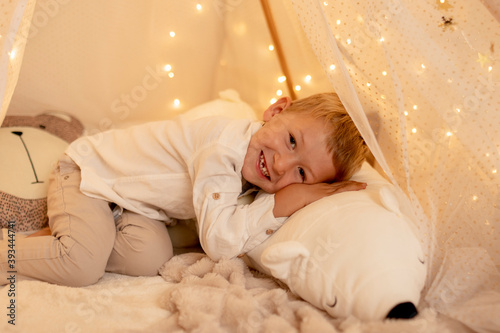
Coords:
193,294
225,296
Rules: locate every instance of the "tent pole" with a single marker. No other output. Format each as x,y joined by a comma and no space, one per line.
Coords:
278,48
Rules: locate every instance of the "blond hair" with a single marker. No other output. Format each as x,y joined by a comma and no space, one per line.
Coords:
344,142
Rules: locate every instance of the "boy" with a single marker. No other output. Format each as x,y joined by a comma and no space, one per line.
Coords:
111,194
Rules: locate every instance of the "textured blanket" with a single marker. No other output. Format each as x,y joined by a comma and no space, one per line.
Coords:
225,296
193,294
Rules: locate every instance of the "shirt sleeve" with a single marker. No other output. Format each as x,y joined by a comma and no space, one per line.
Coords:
225,228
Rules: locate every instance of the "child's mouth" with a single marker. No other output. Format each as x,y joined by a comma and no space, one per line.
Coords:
263,167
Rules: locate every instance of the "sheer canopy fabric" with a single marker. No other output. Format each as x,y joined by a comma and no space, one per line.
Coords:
421,80
15,18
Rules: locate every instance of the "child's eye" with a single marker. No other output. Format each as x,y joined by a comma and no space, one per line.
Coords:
292,141
302,174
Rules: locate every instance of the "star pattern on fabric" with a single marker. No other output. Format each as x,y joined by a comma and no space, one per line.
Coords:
482,59
447,23
443,5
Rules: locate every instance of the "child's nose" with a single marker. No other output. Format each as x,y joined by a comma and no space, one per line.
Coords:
282,163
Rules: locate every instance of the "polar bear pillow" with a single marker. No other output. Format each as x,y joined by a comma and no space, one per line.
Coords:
352,253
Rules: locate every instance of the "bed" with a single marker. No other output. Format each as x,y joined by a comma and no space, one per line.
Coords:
418,79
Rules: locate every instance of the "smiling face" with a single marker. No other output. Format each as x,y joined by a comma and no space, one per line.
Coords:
289,148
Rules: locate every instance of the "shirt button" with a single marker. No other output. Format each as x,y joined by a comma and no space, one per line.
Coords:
269,231
216,196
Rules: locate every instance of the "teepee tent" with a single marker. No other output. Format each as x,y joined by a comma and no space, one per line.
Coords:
421,80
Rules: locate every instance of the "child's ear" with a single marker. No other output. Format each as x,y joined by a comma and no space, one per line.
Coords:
277,107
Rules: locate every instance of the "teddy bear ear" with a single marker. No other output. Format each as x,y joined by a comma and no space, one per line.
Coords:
279,258
67,126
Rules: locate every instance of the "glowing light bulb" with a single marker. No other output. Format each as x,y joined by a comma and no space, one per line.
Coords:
474,197
384,73
279,92
172,34
271,47
449,134
240,29
414,130
199,7
490,68
167,68
349,41
382,39
177,103
494,171
368,84
423,66
332,67
12,54
338,21
406,113
282,79
325,3
307,78
170,75
415,107
297,88
273,100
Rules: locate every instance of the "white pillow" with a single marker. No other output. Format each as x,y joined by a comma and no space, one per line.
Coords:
352,253
228,104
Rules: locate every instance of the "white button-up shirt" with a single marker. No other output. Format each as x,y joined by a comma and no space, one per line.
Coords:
180,169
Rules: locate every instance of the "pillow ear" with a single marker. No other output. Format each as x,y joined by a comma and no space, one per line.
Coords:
389,200
228,105
280,257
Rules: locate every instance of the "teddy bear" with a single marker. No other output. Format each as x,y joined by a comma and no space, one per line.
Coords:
30,147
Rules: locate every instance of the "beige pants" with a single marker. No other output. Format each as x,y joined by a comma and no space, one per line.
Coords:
86,240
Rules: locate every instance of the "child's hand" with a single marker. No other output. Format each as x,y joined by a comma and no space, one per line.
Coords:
296,196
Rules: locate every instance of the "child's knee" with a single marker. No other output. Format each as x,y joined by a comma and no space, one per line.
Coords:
81,270
83,276
154,255
140,250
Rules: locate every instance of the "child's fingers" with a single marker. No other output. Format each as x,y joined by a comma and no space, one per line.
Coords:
348,185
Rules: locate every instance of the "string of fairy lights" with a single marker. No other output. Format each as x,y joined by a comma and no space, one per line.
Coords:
485,59
307,79
447,23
